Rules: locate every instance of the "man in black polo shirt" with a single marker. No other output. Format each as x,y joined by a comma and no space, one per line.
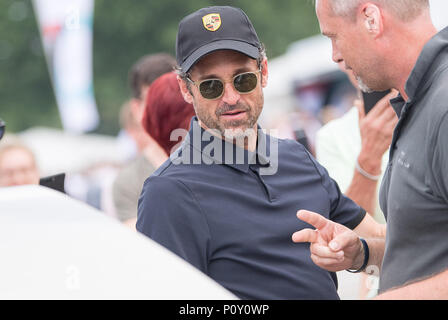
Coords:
394,44
226,201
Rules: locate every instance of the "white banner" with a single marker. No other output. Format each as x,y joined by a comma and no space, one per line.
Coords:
66,30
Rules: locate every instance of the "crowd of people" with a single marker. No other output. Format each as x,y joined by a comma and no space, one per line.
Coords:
271,218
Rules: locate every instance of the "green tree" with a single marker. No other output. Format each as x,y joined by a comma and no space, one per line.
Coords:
123,32
26,95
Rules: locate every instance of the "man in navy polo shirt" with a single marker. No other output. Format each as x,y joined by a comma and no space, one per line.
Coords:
226,200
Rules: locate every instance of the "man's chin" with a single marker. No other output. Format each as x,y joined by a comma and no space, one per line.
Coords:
363,86
238,132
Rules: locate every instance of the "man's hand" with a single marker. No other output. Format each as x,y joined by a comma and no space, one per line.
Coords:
333,247
376,129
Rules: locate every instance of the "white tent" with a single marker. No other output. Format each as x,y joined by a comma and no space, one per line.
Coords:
54,247
302,63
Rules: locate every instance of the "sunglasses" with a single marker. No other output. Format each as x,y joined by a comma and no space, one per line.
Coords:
212,89
2,128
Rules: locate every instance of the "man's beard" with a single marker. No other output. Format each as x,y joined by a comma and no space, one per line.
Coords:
363,86
233,129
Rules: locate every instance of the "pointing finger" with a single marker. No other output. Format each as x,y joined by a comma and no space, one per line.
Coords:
312,218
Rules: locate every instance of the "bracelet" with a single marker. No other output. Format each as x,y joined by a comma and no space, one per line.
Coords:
366,257
366,174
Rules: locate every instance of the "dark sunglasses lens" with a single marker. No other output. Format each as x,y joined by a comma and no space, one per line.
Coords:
211,89
245,82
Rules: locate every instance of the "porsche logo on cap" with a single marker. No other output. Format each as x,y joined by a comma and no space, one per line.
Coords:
212,21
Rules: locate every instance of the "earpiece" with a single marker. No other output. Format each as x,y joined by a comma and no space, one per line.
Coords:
370,24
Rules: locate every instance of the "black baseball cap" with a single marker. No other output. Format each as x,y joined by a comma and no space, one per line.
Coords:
215,28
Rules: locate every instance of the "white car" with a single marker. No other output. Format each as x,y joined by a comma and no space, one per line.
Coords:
55,247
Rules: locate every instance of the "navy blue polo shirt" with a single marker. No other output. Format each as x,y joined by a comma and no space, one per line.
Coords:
233,218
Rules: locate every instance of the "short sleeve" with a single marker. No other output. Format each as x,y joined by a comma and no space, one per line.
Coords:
440,159
169,214
342,209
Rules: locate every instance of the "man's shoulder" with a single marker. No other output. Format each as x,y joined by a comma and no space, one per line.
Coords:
438,87
168,173
289,147
436,101
178,171
160,188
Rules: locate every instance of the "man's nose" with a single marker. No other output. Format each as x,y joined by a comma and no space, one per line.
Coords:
231,96
336,55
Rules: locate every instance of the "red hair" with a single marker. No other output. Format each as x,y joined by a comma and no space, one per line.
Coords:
166,110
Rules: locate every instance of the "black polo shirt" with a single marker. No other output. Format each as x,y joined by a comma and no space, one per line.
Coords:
234,219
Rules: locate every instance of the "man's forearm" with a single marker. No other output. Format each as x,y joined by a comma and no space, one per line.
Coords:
435,287
363,191
376,249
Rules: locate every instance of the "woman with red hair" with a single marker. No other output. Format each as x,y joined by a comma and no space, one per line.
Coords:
166,111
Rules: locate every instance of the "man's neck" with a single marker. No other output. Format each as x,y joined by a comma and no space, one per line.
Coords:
410,41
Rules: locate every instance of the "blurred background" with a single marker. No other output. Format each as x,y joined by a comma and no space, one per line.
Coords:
121,32
64,76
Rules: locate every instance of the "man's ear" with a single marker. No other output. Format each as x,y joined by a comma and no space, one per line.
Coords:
372,19
185,90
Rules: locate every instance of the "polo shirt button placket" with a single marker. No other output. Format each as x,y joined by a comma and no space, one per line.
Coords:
256,170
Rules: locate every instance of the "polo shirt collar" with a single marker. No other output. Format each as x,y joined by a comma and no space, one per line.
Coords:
427,63
237,158
423,71
397,104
